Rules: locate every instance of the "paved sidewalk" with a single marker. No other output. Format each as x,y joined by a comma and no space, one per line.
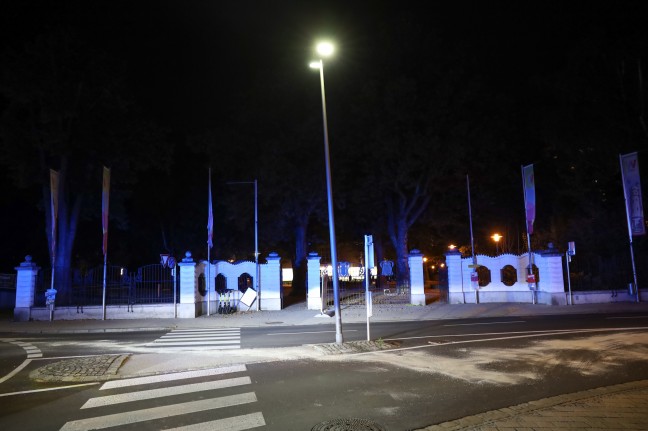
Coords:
618,407
615,407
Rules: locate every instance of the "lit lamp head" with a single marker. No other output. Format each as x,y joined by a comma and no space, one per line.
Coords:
496,237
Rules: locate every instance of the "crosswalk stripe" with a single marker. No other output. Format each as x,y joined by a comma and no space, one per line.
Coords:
165,392
236,423
134,381
173,338
136,416
207,330
190,343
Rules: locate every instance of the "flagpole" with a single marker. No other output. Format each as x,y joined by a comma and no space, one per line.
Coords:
472,238
632,259
104,221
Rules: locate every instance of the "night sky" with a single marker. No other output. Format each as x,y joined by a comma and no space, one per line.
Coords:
238,70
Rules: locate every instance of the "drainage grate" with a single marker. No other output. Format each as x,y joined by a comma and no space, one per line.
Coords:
350,424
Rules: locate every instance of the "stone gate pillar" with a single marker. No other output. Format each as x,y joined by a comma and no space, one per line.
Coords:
188,306
313,282
270,294
25,288
417,280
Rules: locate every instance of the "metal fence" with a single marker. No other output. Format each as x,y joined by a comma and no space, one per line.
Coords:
354,292
150,284
7,291
609,273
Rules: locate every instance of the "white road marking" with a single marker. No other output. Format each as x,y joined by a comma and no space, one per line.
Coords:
33,391
165,392
236,423
203,338
486,323
16,370
311,332
173,376
125,418
481,340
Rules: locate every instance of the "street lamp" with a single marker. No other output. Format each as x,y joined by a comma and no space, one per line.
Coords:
325,49
256,237
496,237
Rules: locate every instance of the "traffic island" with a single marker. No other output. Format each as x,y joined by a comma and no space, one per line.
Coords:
355,347
86,369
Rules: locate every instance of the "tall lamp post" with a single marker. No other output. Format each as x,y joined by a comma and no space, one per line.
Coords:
256,237
325,49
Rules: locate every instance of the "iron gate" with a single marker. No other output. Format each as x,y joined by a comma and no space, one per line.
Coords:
150,284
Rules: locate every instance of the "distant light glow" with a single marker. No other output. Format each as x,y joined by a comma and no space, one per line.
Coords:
325,49
315,65
452,246
496,237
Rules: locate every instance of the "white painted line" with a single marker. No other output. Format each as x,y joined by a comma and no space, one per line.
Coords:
311,332
35,355
186,338
207,330
143,415
236,423
203,334
162,343
15,371
177,349
165,392
548,332
34,391
482,340
486,323
173,376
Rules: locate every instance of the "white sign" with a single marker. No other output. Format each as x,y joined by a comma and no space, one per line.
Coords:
248,297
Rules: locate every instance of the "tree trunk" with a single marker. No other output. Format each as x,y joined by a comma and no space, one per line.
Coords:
300,261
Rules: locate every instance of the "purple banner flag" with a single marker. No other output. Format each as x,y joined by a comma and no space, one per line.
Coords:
210,217
632,193
529,196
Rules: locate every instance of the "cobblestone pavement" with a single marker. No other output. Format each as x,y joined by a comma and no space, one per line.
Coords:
618,407
85,369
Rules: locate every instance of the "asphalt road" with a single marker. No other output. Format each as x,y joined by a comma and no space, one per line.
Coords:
443,370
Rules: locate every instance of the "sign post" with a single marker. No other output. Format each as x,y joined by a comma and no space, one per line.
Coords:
369,263
571,251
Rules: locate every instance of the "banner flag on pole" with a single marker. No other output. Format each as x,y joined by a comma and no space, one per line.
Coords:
54,191
529,196
632,193
210,216
105,198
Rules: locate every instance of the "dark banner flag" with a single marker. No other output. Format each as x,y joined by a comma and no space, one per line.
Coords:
632,193
54,188
210,216
105,197
529,196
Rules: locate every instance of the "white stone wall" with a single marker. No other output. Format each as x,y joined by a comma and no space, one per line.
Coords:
550,287
417,278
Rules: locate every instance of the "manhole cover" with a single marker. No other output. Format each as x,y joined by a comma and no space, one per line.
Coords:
351,424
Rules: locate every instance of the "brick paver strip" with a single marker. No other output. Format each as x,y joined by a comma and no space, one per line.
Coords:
622,407
84,369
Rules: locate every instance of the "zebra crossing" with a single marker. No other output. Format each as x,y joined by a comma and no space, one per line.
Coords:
199,339
204,400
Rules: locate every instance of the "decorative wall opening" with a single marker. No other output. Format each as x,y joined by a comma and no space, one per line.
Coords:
202,289
221,283
509,275
484,275
244,281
